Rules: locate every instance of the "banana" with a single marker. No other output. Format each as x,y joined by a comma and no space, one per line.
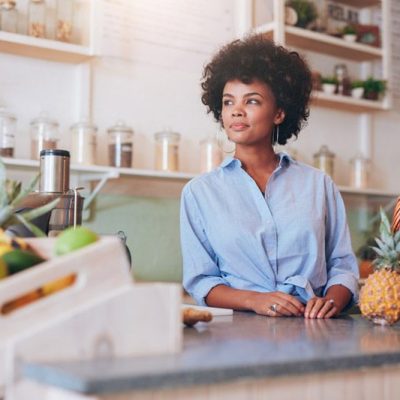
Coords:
58,284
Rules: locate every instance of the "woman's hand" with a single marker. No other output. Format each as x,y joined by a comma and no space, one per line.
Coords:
320,307
276,304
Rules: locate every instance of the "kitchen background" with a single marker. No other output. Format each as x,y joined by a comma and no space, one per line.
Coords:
140,62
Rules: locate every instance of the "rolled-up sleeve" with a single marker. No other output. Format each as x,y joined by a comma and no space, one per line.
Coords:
340,259
200,269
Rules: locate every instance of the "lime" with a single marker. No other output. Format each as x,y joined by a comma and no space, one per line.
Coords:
73,239
19,260
3,269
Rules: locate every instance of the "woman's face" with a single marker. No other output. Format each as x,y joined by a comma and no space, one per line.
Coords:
249,112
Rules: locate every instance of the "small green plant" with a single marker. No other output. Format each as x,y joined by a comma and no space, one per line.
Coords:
306,12
372,85
357,84
349,30
329,79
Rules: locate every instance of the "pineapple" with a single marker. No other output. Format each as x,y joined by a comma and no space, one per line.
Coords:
380,296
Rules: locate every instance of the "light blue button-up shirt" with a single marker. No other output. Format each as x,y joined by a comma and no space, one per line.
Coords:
294,238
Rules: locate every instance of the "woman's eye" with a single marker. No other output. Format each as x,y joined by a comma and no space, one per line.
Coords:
253,101
227,102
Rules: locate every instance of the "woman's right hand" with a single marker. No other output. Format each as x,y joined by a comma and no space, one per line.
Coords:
276,304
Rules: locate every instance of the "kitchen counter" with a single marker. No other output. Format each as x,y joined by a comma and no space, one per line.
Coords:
241,348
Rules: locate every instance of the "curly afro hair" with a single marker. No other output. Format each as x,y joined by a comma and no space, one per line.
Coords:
257,58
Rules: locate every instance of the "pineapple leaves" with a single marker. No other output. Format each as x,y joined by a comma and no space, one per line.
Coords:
378,251
385,224
37,212
24,192
33,228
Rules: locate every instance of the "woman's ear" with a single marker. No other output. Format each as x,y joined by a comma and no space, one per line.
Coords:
279,117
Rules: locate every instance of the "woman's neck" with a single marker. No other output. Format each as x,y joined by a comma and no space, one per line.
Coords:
257,159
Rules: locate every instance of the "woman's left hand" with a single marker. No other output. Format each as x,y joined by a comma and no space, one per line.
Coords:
320,307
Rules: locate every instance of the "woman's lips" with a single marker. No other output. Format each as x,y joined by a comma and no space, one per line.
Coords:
238,126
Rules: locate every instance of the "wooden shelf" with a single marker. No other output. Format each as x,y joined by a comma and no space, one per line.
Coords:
346,103
359,3
98,170
367,192
27,46
337,47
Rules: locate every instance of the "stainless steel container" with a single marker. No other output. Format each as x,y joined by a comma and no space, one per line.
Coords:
324,160
54,171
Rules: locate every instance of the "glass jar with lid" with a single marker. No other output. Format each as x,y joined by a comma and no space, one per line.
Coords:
120,145
210,154
37,18
9,16
324,160
167,150
44,135
8,124
64,19
83,143
360,167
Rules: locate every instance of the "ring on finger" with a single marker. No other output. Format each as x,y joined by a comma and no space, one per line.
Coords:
274,307
331,302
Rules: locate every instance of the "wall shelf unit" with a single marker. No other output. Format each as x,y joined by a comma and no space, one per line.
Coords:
45,49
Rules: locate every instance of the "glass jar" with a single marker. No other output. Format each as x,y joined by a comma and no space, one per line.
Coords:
65,12
120,145
210,154
359,172
83,143
44,135
324,160
8,124
167,150
9,16
37,18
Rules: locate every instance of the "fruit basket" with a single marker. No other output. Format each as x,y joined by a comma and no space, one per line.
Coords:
100,311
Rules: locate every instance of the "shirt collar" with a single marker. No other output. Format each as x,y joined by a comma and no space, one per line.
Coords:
284,160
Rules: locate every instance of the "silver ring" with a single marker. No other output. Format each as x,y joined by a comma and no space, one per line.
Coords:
274,307
332,302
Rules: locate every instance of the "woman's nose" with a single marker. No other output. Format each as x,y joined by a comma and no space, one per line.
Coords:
237,112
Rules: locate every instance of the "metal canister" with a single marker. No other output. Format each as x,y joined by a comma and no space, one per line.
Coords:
324,160
54,171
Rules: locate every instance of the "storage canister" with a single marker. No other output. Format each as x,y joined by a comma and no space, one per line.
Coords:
210,154
359,172
8,124
324,160
120,145
37,18
65,11
167,150
83,143
9,16
44,135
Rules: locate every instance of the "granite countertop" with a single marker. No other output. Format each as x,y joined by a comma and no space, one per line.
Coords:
244,345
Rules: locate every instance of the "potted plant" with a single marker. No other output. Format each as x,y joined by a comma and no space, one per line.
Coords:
366,255
329,84
349,33
374,88
305,10
357,89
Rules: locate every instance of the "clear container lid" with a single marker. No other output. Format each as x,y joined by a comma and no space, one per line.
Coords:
45,126
120,126
168,134
324,152
84,126
5,115
8,5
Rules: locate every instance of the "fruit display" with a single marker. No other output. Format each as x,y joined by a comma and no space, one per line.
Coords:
380,296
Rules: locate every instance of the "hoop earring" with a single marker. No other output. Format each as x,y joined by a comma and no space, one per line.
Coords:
275,135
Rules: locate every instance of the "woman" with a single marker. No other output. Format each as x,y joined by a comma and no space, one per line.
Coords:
264,232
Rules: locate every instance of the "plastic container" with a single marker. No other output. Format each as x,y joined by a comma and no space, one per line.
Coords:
120,145
324,160
83,143
359,176
167,150
44,135
65,13
8,124
37,18
210,154
9,16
